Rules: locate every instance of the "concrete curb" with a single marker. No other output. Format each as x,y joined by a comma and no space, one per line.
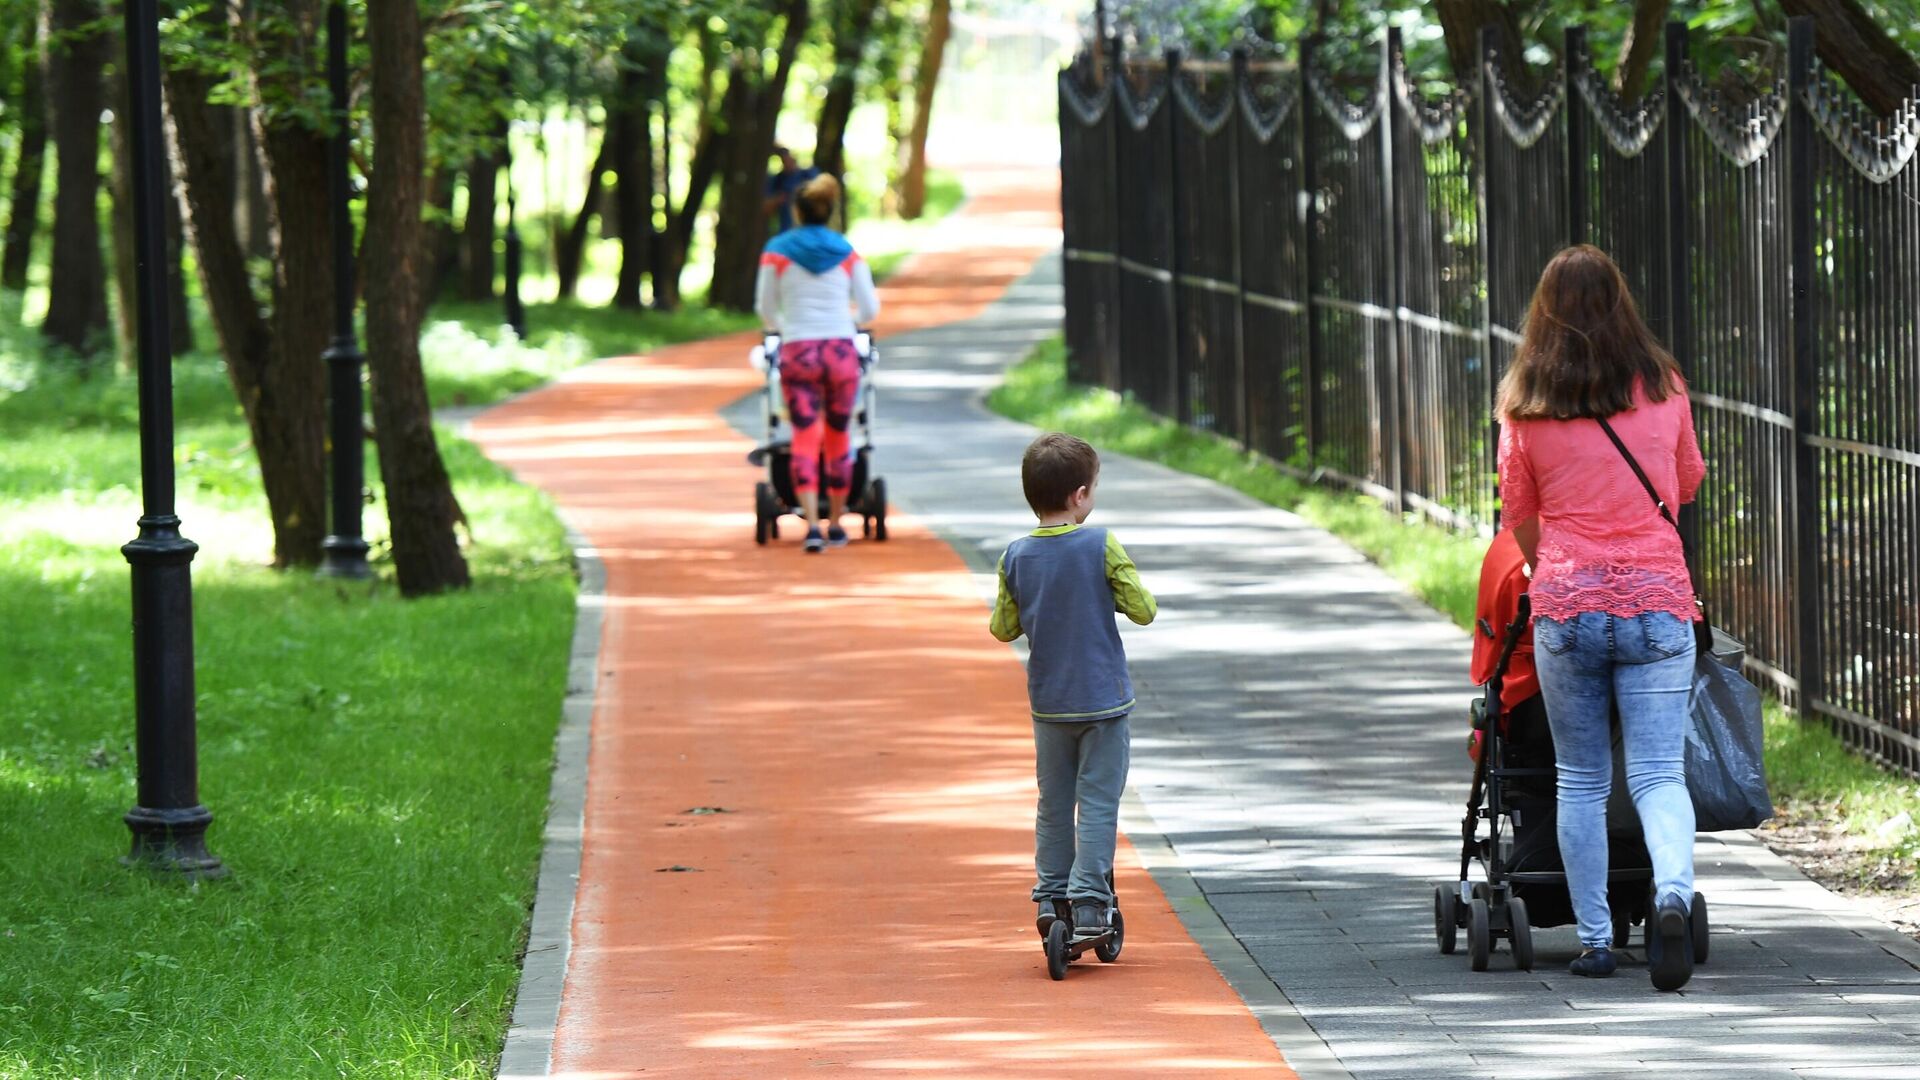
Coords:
528,1051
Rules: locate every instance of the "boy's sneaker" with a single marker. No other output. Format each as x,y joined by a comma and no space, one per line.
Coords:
836,536
815,542
1594,964
1089,917
1670,945
1051,911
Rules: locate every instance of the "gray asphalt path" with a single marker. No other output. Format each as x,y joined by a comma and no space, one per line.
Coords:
1300,747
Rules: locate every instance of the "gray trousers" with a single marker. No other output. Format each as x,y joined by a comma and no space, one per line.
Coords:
1084,763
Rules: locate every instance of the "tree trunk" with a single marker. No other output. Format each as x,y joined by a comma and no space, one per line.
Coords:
670,254
1863,54
477,234
741,230
179,317
250,191
120,188
853,22
913,176
278,380
293,390
571,246
23,208
443,240
77,300
678,240
666,276
1461,21
630,128
421,509
1642,44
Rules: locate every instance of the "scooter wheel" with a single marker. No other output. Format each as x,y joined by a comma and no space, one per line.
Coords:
1057,951
1109,950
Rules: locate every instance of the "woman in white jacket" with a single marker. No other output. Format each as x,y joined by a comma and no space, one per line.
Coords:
810,278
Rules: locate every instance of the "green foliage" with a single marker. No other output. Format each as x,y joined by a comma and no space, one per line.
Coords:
1811,772
377,768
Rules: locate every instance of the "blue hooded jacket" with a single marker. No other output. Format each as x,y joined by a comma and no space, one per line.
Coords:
814,248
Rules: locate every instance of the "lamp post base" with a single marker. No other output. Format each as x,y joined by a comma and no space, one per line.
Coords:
173,843
344,557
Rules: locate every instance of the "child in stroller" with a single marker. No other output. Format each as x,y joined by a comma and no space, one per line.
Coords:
1513,785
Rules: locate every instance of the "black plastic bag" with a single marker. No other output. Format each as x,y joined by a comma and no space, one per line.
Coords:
1726,764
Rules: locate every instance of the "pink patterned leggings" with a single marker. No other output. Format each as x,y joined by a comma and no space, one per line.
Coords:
821,382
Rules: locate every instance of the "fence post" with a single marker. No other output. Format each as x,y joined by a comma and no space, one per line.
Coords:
1806,366
1306,207
1578,157
1679,326
1243,414
1176,311
1394,438
1481,131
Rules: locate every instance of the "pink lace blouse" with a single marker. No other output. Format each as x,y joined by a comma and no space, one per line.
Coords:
1603,544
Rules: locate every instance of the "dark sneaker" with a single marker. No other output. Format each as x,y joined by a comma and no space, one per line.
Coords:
836,536
815,542
1670,945
1089,917
1052,911
1594,964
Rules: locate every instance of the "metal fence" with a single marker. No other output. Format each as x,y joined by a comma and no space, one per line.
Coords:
1337,279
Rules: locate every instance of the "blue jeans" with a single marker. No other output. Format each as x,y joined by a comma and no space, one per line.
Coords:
1645,663
1079,764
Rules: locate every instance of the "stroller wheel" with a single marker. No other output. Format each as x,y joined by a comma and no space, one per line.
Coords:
1520,932
1697,924
1446,918
877,506
763,518
1479,935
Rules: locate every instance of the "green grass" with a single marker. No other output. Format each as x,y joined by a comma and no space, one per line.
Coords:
471,358
377,769
1808,768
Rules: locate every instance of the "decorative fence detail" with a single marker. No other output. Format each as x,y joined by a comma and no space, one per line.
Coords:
1339,282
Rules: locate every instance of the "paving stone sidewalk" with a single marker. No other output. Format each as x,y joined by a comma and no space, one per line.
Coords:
1301,743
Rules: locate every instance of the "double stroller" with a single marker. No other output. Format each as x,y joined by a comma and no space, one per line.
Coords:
774,497
1524,882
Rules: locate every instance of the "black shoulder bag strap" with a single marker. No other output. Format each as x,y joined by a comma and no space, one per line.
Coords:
1702,631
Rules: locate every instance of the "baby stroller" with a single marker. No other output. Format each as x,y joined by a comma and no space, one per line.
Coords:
1525,882
774,497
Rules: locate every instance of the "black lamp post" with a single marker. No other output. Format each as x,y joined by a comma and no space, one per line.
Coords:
344,551
516,311
169,824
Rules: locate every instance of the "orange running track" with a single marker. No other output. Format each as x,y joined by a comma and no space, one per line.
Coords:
863,903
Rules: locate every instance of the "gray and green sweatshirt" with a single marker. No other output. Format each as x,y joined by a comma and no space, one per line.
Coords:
1060,585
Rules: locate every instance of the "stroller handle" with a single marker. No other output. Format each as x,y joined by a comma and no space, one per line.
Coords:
766,355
